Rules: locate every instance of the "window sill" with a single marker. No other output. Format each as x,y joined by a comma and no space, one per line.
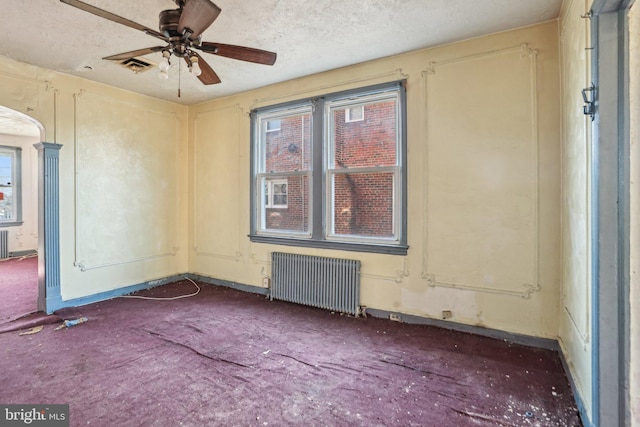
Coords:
11,223
326,244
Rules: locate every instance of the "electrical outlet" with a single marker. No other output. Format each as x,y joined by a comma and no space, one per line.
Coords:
446,314
394,317
266,282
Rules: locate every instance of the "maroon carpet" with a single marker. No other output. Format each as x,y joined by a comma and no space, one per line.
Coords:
18,288
227,358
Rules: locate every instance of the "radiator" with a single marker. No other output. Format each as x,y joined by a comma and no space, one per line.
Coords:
4,244
329,283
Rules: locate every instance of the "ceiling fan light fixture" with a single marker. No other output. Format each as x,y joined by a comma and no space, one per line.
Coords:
164,63
163,75
195,67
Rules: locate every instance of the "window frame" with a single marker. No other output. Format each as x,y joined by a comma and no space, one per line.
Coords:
258,219
318,235
16,186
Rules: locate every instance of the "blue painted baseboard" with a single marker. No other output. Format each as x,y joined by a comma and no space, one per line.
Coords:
228,284
57,304
584,416
546,343
20,254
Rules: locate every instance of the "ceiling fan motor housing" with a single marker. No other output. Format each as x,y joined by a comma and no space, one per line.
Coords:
169,20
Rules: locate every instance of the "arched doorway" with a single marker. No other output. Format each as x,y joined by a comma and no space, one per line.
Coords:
19,211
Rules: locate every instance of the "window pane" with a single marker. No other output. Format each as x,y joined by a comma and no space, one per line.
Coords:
354,114
6,204
275,192
289,210
288,149
368,143
363,204
280,194
6,190
267,194
273,125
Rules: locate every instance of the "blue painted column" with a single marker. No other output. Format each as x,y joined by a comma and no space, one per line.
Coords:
49,297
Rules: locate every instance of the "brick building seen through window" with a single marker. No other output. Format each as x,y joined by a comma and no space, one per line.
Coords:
363,200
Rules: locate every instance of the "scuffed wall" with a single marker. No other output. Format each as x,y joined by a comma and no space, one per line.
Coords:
483,183
575,310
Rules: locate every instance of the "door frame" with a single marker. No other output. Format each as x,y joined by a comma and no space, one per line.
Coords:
610,212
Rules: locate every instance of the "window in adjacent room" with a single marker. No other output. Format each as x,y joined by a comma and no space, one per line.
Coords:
273,125
320,182
354,114
10,186
276,193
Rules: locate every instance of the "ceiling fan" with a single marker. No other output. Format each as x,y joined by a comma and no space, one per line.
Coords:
181,29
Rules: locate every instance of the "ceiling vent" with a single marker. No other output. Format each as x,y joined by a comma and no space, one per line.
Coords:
137,65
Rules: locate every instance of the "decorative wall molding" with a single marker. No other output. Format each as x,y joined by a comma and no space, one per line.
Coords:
76,97
256,260
82,265
80,260
28,102
397,74
525,293
51,89
24,78
525,53
399,276
201,248
584,336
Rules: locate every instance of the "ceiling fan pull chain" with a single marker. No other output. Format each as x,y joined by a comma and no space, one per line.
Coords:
179,77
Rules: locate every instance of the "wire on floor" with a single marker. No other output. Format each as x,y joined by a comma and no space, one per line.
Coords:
19,258
167,298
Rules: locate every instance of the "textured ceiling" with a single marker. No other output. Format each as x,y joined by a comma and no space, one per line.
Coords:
309,36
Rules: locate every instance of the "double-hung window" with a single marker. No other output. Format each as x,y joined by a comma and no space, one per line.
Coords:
334,174
10,188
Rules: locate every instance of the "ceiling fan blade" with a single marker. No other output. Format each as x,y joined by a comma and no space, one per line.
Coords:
113,17
241,53
197,16
134,53
208,76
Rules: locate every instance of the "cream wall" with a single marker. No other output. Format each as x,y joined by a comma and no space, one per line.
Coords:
575,310
25,237
123,177
493,262
634,235
483,174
